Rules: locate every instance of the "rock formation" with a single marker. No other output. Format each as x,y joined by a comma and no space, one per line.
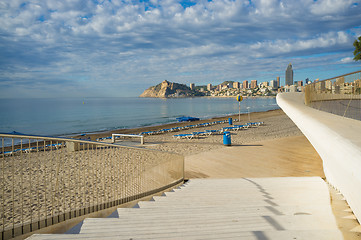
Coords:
170,90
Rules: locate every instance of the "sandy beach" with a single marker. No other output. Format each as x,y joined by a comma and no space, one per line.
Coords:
276,125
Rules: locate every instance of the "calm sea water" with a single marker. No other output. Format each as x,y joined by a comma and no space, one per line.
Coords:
59,117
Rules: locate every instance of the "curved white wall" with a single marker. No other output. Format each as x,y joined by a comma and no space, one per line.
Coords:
336,139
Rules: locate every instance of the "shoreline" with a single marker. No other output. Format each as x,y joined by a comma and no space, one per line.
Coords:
211,97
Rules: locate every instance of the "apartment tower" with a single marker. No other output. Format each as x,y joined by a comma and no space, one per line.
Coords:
289,75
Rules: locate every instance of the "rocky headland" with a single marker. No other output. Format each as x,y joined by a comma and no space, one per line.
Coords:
168,89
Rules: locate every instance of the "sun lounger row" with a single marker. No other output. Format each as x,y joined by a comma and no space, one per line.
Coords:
192,135
175,129
34,149
255,124
104,138
220,131
236,127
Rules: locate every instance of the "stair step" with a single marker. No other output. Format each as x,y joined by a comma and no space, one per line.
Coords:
249,223
241,210
246,235
262,208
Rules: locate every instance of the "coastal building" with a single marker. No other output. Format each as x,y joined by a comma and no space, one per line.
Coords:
340,81
289,75
293,88
278,82
192,86
253,83
245,84
209,87
225,86
236,85
273,84
328,85
264,84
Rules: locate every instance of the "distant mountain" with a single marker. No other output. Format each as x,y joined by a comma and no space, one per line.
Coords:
170,90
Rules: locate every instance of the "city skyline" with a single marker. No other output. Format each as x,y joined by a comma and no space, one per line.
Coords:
114,48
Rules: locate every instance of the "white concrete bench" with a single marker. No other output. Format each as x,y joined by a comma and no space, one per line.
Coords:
127,135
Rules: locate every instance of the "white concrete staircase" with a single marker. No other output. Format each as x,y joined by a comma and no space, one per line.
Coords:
258,208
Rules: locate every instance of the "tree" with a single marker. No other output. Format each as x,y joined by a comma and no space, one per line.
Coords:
357,52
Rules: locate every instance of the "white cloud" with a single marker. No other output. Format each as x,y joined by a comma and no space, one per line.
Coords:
325,41
122,41
328,7
347,60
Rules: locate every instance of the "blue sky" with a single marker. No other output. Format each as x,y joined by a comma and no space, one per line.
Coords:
51,48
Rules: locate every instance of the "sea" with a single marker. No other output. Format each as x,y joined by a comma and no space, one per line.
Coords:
70,116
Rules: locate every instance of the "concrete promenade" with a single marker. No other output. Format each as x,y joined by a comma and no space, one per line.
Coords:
337,141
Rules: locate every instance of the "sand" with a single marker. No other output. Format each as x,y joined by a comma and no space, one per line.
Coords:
276,125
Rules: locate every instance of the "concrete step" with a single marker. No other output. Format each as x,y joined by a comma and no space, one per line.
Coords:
198,226
239,210
267,208
281,196
247,235
220,204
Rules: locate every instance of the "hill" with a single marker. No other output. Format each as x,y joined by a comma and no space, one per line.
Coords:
170,90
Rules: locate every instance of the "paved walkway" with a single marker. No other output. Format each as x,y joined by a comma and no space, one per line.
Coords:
336,139
249,208
284,157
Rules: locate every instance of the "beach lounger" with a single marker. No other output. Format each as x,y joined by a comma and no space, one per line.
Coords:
242,126
230,129
255,123
215,132
180,136
196,134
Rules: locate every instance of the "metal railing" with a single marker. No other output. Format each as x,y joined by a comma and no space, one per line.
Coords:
49,180
339,95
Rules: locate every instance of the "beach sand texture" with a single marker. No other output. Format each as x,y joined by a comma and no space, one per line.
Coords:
38,185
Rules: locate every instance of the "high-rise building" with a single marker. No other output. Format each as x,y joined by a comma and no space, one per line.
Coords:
245,84
191,86
273,84
278,82
253,83
236,85
289,75
209,87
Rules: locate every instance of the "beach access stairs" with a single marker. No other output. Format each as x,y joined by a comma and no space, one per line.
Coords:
246,208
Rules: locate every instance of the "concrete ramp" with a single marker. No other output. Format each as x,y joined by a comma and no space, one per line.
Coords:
254,208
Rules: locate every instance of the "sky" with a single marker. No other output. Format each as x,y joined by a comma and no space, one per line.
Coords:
111,48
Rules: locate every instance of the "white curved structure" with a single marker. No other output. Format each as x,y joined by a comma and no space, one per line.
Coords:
336,139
